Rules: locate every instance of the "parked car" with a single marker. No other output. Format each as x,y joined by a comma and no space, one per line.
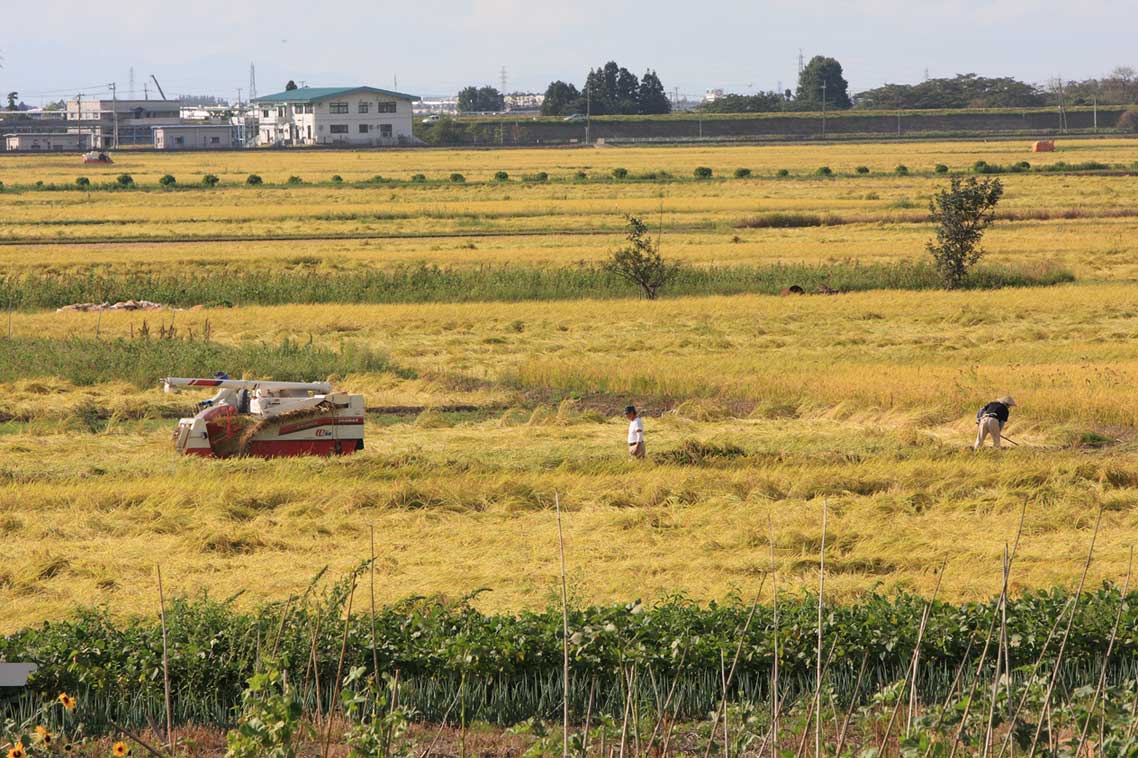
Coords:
433,118
575,117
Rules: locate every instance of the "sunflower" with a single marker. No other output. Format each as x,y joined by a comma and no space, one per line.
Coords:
120,749
68,747
17,751
42,731
66,701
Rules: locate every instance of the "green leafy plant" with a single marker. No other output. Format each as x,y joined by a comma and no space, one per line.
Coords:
337,179
640,263
210,180
82,182
901,170
270,722
702,172
457,178
501,176
825,171
619,173
254,179
168,181
295,180
940,168
742,173
124,180
862,169
961,212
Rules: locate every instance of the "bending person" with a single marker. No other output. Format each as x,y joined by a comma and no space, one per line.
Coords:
990,421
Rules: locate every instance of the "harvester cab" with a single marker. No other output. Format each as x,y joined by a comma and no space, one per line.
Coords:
269,419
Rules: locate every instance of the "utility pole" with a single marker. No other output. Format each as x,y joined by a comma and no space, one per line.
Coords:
801,65
1095,102
252,82
898,122
823,110
115,116
238,97
130,85
588,110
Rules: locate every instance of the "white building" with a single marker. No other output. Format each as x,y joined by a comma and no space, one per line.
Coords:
130,120
197,137
335,115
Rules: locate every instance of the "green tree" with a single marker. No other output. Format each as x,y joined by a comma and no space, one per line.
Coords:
760,102
291,86
480,100
822,72
12,97
626,95
561,99
961,212
640,262
651,97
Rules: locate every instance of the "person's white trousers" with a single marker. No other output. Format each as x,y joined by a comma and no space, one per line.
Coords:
988,426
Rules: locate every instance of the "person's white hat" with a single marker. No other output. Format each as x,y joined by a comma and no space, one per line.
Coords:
1007,400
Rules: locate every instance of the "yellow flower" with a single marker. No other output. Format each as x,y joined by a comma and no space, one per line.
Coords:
17,751
66,701
42,731
120,749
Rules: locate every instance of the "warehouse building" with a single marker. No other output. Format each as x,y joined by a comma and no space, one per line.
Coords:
335,116
47,141
197,137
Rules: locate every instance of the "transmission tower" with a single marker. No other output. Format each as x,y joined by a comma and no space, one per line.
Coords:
504,79
252,82
801,63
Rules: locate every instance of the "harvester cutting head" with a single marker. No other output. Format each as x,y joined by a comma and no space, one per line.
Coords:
269,419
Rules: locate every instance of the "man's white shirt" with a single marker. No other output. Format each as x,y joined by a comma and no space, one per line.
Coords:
635,431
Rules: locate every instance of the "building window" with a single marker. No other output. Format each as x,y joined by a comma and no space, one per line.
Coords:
264,113
215,140
364,128
338,128
386,106
179,140
337,107
364,106
385,130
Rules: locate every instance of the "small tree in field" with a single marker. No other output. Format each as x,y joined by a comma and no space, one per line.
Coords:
961,212
640,262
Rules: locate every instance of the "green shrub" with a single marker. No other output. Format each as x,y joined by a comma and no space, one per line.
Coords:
742,173
581,175
783,172
457,178
123,180
168,180
940,168
825,171
210,180
983,167
337,179
901,170
1128,121
295,180
254,179
418,178
620,173
540,176
501,176
702,172
862,169
82,182
1021,167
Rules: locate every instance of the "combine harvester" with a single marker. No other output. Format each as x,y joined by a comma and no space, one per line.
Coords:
269,419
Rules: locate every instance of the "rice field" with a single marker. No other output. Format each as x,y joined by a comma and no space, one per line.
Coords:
483,411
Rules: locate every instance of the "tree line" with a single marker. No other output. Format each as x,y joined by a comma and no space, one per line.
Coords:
822,84
608,90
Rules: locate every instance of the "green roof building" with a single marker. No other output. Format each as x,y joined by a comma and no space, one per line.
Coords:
349,116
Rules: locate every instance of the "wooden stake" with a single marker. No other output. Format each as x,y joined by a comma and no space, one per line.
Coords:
165,664
564,635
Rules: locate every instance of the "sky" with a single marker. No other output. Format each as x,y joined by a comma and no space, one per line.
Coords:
55,48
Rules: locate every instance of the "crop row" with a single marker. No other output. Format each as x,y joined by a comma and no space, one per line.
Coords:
509,666
620,174
434,284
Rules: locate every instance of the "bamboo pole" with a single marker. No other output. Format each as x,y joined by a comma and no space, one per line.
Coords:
1106,658
165,664
1067,631
564,635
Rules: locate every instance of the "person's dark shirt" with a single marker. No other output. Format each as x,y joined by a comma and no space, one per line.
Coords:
999,410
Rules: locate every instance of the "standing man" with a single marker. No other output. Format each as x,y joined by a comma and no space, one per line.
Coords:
990,421
635,432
